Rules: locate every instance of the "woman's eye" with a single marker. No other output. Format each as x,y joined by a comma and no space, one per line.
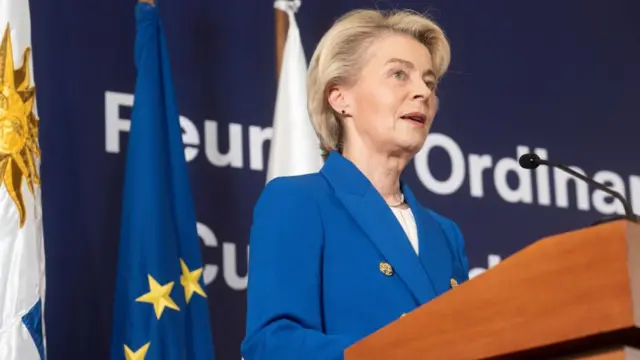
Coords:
431,85
400,75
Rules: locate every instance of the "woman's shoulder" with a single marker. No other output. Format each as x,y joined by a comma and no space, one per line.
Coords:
292,191
296,184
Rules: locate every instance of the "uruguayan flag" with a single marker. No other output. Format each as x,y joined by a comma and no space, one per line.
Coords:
22,271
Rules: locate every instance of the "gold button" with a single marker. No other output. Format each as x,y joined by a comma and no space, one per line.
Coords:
386,268
454,283
403,315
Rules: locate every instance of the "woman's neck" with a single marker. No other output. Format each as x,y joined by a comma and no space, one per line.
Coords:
382,170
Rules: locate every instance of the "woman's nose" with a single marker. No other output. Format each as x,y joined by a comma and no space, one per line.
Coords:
421,91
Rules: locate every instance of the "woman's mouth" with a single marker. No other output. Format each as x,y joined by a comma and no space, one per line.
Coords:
416,117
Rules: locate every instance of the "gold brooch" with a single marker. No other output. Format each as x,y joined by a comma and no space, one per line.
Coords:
386,268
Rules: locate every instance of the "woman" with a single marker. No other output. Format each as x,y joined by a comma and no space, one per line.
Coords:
338,254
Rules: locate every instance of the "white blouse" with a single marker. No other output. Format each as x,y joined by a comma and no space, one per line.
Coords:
408,223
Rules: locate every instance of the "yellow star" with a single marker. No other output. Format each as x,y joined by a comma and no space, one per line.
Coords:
138,355
189,281
158,295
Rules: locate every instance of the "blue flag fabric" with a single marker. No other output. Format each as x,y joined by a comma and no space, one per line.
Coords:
161,309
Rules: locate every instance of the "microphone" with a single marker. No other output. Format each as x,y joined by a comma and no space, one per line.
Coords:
532,161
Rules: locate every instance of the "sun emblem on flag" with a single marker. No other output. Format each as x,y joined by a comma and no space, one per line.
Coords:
18,126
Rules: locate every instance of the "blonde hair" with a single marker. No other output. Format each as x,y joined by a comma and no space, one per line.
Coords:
337,60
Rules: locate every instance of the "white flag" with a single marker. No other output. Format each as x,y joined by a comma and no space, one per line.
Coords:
22,266
295,147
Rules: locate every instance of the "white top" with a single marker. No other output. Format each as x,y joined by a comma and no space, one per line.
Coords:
408,223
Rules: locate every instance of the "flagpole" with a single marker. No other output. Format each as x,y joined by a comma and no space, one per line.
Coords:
282,25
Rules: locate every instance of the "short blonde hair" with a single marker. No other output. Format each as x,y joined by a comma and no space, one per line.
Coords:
337,60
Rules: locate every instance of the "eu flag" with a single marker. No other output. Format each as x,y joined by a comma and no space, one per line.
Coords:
161,309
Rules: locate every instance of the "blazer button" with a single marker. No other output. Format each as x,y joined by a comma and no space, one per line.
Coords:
403,315
454,283
386,268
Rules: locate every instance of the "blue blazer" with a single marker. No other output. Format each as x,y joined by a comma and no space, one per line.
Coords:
317,241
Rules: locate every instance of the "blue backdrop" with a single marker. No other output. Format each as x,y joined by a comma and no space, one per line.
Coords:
558,77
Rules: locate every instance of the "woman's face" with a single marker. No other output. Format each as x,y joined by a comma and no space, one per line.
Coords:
392,104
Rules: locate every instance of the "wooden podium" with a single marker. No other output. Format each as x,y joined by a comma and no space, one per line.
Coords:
571,296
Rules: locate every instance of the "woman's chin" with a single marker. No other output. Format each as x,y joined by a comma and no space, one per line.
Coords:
410,147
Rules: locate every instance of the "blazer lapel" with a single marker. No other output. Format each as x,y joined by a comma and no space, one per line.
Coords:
435,251
373,215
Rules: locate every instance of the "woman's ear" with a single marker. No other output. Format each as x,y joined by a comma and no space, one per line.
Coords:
337,100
